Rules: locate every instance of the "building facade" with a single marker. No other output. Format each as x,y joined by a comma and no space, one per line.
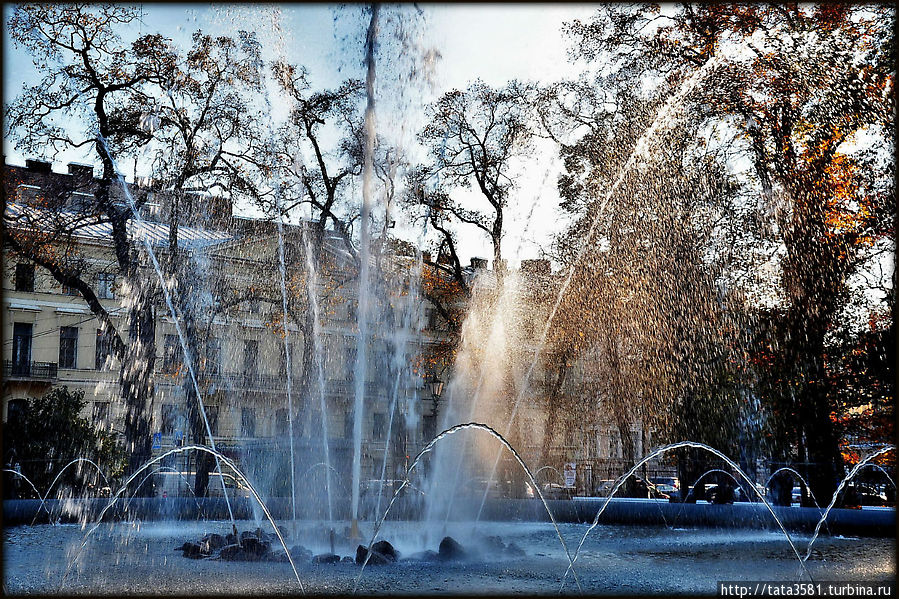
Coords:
51,337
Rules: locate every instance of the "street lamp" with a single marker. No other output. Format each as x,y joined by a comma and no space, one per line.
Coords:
436,386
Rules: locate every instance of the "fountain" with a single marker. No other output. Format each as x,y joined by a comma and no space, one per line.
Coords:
307,449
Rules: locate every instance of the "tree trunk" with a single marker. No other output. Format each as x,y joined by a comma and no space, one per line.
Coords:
552,410
136,379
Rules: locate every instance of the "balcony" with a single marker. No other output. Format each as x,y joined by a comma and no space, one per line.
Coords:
344,388
37,371
240,380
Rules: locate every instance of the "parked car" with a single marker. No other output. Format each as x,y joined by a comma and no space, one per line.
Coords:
234,486
859,494
557,491
666,489
747,494
720,494
642,489
603,488
667,482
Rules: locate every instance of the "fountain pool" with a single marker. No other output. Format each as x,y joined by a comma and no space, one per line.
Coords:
615,559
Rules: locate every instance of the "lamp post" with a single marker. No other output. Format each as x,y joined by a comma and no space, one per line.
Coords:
436,387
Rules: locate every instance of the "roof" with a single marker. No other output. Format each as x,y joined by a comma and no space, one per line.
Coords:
138,230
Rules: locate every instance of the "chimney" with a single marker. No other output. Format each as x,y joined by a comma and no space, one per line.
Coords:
478,263
536,267
85,171
38,166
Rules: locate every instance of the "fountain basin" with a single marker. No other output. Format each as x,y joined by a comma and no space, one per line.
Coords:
127,558
876,522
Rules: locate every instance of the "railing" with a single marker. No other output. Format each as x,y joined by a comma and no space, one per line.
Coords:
29,370
244,380
346,388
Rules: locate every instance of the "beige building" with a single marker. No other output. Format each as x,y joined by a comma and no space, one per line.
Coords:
52,338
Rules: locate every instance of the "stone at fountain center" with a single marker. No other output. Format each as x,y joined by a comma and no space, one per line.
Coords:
232,552
450,549
298,552
247,535
255,547
212,543
326,558
347,559
374,558
193,550
513,549
386,549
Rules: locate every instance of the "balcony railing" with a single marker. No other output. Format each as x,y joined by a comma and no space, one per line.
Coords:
243,380
29,370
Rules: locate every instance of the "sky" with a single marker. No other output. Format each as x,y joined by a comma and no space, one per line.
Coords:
495,43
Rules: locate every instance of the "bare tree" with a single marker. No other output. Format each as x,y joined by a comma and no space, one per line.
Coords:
815,77
89,74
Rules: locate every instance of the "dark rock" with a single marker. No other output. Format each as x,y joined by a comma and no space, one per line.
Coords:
300,553
193,551
216,542
247,535
450,549
232,552
513,549
230,539
347,559
494,543
374,558
326,558
386,549
253,546
211,543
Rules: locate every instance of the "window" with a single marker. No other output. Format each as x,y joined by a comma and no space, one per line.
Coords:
171,354
428,427
68,347
169,416
24,277
348,422
21,349
105,285
66,290
248,422
212,415
15,410
349,359
282,425
101,412
283,362
214,356
103,350
351,311
379,426
250,358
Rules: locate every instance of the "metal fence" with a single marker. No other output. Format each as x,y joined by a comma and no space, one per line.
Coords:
30,370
